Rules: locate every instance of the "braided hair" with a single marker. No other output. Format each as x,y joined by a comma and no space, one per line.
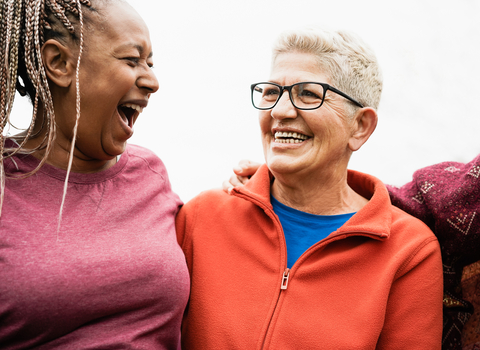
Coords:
25,25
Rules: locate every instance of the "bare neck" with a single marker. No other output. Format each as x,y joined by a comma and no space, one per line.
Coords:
59,154
59,158
320,195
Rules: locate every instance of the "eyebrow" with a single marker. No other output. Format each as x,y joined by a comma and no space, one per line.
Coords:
139,48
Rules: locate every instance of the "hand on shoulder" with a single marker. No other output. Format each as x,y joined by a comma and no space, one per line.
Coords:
241,174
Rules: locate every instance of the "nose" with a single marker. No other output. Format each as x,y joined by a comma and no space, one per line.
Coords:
148,81
284,108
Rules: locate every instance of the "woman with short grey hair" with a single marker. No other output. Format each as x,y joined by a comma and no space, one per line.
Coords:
309,254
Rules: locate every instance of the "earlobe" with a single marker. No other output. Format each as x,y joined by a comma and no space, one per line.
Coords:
59,63
365,124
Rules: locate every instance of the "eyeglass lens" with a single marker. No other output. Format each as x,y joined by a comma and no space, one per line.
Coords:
305,95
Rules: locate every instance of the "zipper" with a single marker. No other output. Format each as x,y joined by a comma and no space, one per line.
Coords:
283,286
324,242
286,275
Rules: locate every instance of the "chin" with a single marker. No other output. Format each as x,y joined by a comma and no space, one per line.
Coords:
115,150
282,165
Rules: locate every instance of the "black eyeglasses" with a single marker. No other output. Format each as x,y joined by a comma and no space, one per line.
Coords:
305,95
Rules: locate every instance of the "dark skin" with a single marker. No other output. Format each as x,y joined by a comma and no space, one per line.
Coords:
116,82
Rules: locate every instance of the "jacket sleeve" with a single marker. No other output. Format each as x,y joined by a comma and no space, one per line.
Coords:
184,225
414,312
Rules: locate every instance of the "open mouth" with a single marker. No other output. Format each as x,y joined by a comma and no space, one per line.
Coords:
290,137
129,113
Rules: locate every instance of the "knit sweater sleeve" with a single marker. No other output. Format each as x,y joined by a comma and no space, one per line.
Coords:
410,198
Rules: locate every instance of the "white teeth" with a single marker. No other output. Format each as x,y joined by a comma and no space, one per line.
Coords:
133,106
293,137
289,141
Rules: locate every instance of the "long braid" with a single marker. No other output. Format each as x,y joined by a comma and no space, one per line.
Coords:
10,32
77,118
24,25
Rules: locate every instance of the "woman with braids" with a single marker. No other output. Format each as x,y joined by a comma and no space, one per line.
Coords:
88,253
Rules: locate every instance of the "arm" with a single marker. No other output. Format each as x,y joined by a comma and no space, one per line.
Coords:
410,198
414,311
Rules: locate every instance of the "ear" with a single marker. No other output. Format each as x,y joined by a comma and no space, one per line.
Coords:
59,63
365,122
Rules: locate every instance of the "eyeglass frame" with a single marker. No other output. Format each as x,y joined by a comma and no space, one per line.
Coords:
326,87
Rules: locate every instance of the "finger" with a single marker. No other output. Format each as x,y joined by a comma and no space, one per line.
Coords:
244,162
242,180
246,168
227,186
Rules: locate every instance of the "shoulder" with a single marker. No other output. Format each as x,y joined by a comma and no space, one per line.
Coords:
214,208
210,200
448,174
411,237
379,215
145,172
202,211
145,159
141,152
403,222
439,185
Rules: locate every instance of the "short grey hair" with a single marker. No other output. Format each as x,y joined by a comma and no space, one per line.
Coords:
347,60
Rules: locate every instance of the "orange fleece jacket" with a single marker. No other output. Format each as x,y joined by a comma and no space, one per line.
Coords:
375,283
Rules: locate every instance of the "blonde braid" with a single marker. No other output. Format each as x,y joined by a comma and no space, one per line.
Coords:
77,108
23,26
10,33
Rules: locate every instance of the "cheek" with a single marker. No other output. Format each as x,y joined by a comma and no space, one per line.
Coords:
264,120
335,138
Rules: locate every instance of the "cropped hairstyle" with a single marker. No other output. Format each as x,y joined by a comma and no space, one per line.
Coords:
347,60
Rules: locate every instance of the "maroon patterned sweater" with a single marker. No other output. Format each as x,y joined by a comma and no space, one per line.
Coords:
446,197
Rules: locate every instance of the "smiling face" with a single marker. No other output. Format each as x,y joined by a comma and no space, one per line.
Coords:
305,143
116,81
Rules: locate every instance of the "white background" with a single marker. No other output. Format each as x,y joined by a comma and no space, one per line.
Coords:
428,50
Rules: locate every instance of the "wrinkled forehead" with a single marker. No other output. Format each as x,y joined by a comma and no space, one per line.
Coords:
293,67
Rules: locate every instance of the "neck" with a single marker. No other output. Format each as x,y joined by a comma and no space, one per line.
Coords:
59,158
60,151
320,195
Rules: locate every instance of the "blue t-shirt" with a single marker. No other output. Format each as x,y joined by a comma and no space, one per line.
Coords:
302,230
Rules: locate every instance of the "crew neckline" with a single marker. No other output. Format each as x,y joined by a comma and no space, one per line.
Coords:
86,178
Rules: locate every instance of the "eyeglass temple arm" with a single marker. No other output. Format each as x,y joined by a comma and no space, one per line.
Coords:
345,95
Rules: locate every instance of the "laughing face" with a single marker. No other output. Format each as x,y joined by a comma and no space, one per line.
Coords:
304,142
116,81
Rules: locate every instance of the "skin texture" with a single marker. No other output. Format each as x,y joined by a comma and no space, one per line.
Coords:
115,70
312,175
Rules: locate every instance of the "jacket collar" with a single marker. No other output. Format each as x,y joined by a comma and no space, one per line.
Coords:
374,219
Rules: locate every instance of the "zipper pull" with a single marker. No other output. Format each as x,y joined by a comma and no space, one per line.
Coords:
286,274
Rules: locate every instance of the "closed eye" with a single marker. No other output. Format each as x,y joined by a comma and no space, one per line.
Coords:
307,93
132,61
270,94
